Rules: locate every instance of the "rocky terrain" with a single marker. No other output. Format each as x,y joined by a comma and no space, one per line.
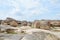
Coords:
41,35
11,29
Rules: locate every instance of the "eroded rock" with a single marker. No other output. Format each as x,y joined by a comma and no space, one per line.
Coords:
40,36
1,38
14,23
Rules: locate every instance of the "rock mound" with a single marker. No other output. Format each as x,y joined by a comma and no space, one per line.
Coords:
40,36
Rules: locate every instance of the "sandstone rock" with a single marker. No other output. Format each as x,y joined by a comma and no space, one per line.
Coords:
41,24
19,23
40,36
10,30
51,37
8,39
36,24
25,27
29,37
0,30
4,22
30,31
29,24
24,23
1,38
45,27
14,23
0,21
9,21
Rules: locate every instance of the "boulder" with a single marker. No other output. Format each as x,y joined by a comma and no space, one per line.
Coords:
14,23
1,38
4,22
45,25
29,24
24,23
10,30
40,36
9,21
36,24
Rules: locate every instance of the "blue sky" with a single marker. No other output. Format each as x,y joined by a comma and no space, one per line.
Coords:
30,9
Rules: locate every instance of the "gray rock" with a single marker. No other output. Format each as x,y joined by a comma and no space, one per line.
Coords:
40,36
1,38
11,36
29,37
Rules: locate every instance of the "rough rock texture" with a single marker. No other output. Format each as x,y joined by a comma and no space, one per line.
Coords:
1,38
24,23
0,30
45,27
41,24
9,30
36,24
51,37
11,36
13,23
34,36
29,37
40,36
25,27
10,21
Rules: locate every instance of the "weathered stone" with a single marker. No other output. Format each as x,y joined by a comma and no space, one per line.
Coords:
45,25
25,27
29,24
8,21
29,37
1,38
0,21
19,23
41,24
40,36
8,39
55,23
24,23
51,37
10,30
36,24
14,23
4,22
0,30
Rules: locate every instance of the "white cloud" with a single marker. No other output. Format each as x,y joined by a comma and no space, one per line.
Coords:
28,8
54,2
27,4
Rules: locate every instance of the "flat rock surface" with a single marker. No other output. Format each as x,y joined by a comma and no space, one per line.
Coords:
40,36
11,36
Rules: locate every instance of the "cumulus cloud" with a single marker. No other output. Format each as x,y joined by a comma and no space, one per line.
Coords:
54,1
25,9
